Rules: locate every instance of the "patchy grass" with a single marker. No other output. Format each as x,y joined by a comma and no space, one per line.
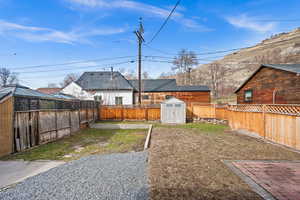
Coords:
86,142
186,162
128,122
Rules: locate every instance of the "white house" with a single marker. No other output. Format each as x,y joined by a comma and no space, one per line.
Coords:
76,90
111,88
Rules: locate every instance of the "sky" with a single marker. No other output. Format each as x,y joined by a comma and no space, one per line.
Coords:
93,35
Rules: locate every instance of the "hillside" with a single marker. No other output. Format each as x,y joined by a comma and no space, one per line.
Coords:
226,74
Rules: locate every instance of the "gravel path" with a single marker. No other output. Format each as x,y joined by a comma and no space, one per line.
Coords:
110,177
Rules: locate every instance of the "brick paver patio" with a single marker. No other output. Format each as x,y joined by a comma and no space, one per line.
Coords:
280,178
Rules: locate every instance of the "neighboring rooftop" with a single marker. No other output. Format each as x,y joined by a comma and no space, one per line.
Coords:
103,80
294,68
49,90
166,85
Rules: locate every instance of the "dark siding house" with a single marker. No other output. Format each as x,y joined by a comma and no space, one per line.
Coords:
271,84
155,91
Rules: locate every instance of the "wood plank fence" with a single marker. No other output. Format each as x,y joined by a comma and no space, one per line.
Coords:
32,128
22,128
148,113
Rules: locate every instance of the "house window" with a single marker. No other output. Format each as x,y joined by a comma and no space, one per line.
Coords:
145,97
98,98
119,100
248,95
169,96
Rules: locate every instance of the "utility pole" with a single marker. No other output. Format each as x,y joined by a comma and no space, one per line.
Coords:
139,35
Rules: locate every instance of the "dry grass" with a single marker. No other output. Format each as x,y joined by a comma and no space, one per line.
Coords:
84,143
187,163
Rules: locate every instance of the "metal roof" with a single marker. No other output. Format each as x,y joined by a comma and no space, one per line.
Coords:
103,80
22,91
64,96
294,68
166,85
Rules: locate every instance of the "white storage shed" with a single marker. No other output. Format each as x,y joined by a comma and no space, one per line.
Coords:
173,111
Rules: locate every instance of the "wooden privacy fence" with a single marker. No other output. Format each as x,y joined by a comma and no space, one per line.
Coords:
32,128
151,113
278,123
26,122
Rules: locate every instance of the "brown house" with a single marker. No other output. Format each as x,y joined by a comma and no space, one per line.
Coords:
271,84
155,91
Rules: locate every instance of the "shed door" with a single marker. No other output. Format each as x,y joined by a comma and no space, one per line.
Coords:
173,113
178,113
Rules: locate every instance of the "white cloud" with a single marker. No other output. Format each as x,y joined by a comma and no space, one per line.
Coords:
251,23
144,8
42,34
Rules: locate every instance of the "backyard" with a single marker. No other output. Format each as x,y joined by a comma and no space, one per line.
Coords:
86,142
186,161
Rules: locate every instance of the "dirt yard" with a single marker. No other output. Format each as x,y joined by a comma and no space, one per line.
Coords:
186,162
84,143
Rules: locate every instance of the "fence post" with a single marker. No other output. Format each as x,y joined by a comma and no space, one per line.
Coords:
146,113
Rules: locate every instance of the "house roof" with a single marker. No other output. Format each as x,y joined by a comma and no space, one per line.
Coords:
23,91
165,85
103,80
49,90
294,68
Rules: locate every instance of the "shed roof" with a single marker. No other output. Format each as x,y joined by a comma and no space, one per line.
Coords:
173,100
294,68
165,85
103,80
23,91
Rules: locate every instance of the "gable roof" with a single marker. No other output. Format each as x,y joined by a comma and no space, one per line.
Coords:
103,80
294,68
166,85
49,90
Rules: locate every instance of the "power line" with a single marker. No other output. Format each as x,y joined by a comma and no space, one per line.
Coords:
80,67
69,63
225,51
165,22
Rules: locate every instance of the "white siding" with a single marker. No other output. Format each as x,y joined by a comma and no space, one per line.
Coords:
76,91
108,97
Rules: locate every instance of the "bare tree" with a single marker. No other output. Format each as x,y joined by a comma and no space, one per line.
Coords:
184,63
7,77
68,79
217,74
130,75
145,75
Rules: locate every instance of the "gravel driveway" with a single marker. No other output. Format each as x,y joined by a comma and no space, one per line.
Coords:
110,177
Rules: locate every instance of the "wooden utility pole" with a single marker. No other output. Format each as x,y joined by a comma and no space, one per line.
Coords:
139,35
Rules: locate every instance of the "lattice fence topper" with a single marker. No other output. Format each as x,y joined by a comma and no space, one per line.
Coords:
246,108
283,109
